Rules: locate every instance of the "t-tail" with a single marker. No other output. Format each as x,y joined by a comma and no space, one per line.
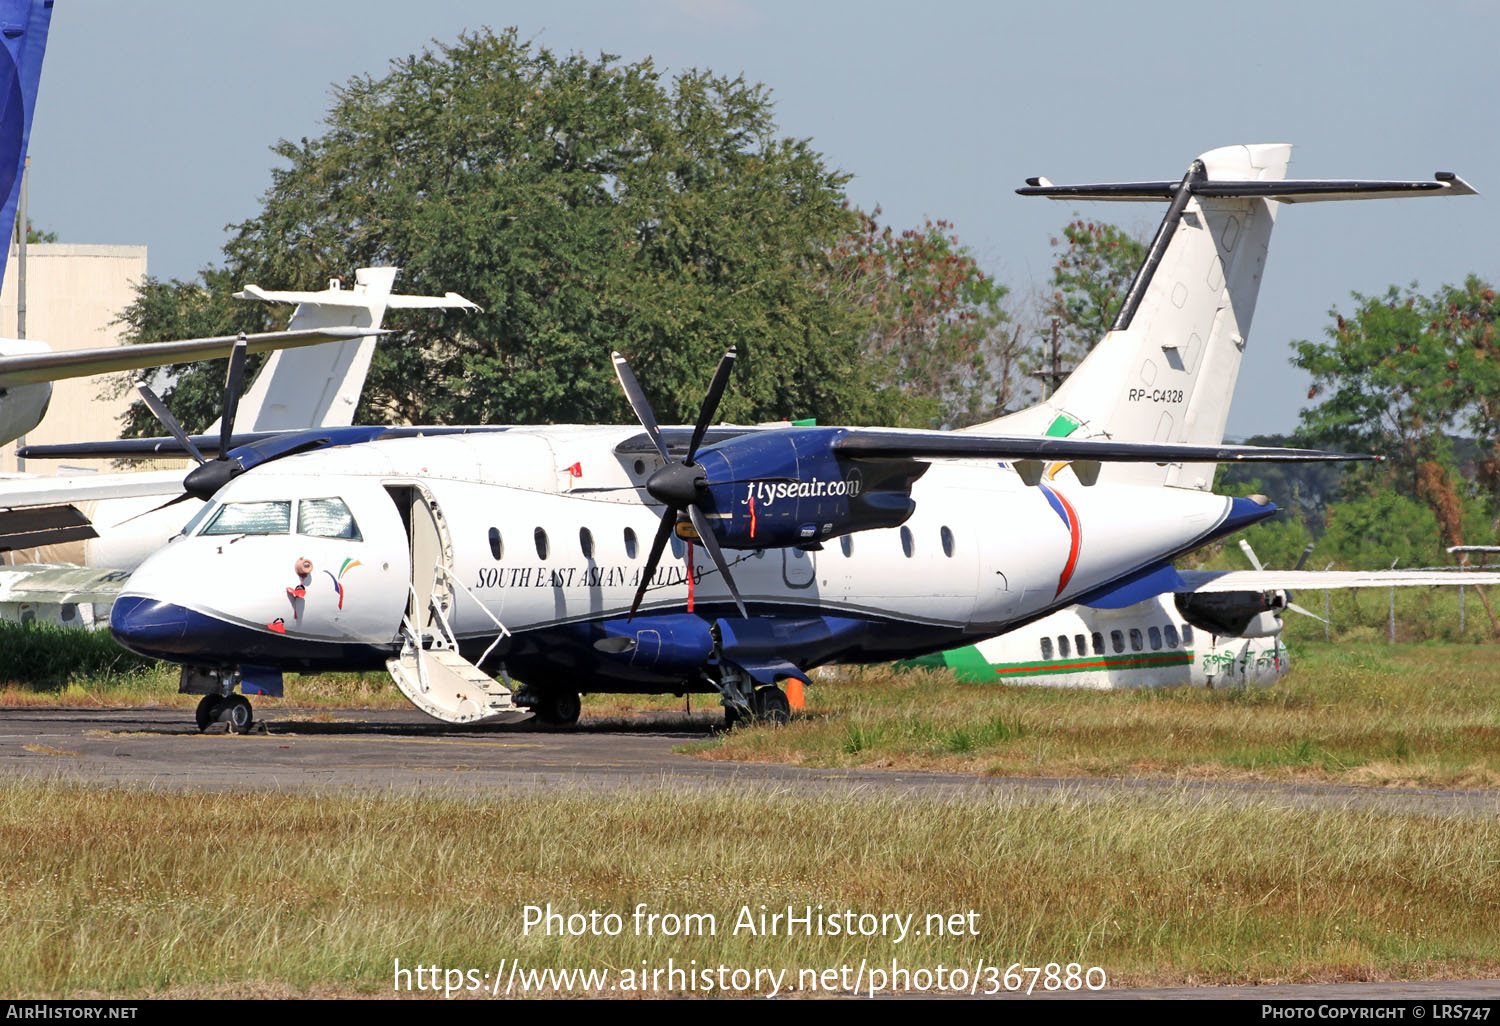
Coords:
23,31
1166,369
320,386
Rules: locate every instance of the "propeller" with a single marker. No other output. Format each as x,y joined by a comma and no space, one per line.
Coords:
1255,562
209,475
679,485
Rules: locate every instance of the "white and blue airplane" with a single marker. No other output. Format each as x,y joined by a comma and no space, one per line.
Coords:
455,556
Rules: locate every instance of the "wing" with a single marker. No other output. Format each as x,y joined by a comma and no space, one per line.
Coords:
1208,581
22,492
35,367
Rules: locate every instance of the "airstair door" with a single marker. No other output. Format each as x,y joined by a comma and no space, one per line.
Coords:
430,671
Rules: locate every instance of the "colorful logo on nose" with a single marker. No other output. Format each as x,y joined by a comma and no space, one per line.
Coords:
349,564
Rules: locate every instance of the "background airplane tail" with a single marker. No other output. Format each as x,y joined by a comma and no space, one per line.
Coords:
1166,369
320,386
23,40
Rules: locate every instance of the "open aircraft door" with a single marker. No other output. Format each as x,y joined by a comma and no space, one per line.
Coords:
430,671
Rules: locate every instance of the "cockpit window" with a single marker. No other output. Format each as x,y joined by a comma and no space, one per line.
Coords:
326,518
198,518
251,518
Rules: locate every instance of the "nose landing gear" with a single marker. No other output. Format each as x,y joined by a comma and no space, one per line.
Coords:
233,711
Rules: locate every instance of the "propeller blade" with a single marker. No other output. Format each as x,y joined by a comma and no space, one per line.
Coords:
706,536
711,402
234,382
1298,609
1303,558
638,402
169,502
159,408
668,522
1250,554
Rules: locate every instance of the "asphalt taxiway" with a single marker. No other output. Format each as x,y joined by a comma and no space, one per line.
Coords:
404,751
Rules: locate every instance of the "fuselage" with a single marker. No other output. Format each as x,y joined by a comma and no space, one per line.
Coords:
1148,644
312,562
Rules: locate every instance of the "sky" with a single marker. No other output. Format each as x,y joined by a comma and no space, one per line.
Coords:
154,120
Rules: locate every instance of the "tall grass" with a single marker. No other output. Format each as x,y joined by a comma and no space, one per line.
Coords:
134,892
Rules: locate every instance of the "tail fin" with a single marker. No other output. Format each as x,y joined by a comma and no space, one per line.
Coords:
23,33
320,386
1166,369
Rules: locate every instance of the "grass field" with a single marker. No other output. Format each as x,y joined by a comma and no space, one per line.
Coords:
1365,713
138,893
127,892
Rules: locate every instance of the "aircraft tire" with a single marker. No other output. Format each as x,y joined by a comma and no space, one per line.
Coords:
236,714
207,712
559,707
769,704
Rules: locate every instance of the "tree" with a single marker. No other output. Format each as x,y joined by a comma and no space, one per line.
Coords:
1398,376
585,205
935,327
1093,271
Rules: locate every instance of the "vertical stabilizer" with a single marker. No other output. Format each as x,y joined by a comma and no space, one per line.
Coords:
320,386
1166,369
23,33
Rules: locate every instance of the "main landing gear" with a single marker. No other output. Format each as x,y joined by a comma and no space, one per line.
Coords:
553,707
231,710
764,704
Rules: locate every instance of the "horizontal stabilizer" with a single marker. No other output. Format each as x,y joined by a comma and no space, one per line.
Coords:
357,298
1307,190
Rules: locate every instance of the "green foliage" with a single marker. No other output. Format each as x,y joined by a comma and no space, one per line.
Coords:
585,204
44,656
1397,377
1370,530
1089,281
933,324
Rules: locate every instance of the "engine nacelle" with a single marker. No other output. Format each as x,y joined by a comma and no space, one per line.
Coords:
787,488
675,643
1234,614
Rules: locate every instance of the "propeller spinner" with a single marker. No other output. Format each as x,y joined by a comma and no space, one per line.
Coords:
679,485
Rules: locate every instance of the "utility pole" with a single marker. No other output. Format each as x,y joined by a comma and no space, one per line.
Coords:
1051,379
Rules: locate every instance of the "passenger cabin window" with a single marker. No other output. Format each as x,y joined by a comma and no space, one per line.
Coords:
629,543
1137,643
1062,646
326,518
541,543
947,537
1098,640
679,547
252,518
906,544
1117,640
1046,648
586,542
1187,635
497,547
1171,633
847,544
1155,634
1079,640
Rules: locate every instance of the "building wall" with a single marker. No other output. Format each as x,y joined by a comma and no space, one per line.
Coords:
74,294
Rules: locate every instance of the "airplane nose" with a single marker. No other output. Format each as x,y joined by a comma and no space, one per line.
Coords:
148,626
